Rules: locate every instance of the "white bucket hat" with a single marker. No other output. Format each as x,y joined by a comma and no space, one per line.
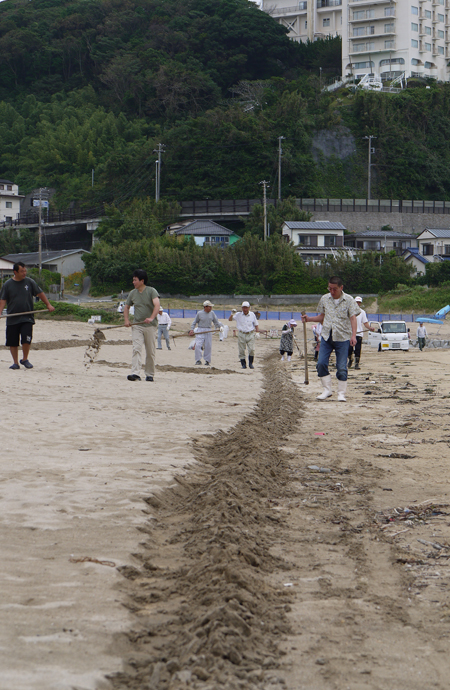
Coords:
207,303
245,304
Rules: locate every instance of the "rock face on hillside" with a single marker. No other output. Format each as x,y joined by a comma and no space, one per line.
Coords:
339,143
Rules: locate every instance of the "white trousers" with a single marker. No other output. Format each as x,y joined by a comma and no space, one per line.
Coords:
246,340
203,340
143,336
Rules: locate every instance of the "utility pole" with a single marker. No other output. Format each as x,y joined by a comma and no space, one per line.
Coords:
280,151
42,196
159,151
371,150
265,185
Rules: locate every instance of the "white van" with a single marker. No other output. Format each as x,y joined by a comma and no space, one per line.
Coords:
390,335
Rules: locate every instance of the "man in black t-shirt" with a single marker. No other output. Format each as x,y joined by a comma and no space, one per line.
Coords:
18,293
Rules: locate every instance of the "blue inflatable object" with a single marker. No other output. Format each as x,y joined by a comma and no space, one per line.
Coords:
426,320
442,312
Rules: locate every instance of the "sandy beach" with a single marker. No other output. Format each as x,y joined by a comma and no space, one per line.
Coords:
239,533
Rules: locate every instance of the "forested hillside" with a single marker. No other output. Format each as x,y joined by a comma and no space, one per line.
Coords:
97,84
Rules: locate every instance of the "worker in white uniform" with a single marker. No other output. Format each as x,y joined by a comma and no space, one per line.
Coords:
164,324
361,322
205,320
247,325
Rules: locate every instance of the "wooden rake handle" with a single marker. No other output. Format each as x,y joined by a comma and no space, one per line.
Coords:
21,313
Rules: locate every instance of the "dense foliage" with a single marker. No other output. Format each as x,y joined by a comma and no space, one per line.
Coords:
418,299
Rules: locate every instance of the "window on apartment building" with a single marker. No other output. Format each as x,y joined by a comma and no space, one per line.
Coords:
441,34
302,5
440,2
428,30
326,21
389,11
370,45
427,14
359,31
427,249
441,18
414,43
9,204
330,240
393,61
440,50
414,27
446,248
415,61
389,44
389,28
414,10
370,14
428,65
360,14
363,65
428,46
359,47
304,240
370,30
9,187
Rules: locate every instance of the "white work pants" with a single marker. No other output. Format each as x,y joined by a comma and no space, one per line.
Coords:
203,340
143,336
246,340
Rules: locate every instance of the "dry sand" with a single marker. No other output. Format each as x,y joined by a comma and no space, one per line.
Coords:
222,557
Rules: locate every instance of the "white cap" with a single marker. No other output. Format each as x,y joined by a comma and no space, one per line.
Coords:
161,309
207,303
245,304
358,299
292,322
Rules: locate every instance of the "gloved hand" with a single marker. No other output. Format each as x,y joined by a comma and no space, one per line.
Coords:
221,329
234,311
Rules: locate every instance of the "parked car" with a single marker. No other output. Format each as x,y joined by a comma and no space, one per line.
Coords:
390,335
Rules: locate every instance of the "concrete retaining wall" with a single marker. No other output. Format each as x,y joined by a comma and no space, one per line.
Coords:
401,222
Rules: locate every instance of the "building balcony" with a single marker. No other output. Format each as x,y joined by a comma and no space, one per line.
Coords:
284,11
328,3
361,3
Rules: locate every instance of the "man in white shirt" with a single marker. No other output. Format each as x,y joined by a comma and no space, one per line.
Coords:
421,335
203,325
247,325
164,324
361,321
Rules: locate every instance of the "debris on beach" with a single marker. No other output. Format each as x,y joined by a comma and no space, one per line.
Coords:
94,346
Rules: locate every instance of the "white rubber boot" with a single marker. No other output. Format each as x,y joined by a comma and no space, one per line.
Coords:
326,383
282,358
342,389
289,358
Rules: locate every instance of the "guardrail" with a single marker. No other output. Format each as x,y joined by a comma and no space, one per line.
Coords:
242,207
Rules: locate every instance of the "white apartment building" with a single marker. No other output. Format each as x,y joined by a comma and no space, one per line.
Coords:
390,37
387,37
308,19
9,201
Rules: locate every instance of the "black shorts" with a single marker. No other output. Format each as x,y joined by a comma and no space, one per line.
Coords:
24,331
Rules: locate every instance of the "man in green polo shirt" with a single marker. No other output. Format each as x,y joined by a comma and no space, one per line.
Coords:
145,300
